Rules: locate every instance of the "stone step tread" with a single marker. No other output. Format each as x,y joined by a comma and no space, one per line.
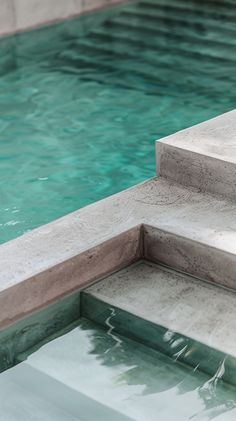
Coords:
190,8
176,19
184,34
175,301
19,402
28,392
132,380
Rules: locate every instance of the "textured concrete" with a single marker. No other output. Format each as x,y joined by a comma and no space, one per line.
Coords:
30,13
179,303
53,283
189,256
159,219
7,16
31,332
20,15
203,156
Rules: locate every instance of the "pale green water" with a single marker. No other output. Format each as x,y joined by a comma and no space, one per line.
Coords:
95,375
82,103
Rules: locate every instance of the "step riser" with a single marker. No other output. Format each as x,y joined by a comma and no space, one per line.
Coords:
199,171
191,11
191,257
202,156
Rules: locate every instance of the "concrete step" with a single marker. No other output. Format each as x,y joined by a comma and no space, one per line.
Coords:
108,58
190,9
124,377
191,25
185,318
210,46
203,156
28,393
158,45
115,48
19,401
212,51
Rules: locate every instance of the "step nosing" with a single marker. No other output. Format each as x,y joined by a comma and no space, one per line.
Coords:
193,152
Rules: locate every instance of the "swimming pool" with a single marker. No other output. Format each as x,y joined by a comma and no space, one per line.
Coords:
65,365
81,103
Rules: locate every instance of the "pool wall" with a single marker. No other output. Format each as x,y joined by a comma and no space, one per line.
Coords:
20,15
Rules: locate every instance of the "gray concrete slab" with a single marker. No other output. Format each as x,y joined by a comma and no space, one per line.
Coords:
179,303
215,138
203,156
21,15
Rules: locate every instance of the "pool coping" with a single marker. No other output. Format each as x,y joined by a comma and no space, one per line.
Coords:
17,18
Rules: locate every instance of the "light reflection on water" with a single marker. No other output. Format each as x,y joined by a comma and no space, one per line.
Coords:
134,380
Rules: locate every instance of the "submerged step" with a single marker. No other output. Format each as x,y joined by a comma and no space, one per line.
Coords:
124,377
30,392
203,156
19,403
176,20
190,9
172,302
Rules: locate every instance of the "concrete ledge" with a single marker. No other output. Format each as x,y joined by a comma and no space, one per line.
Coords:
141,241
49,285
203,156
184,318
22,15
39,388
60,257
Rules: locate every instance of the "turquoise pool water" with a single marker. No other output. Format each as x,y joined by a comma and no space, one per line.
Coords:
81,103
92,374
70,361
